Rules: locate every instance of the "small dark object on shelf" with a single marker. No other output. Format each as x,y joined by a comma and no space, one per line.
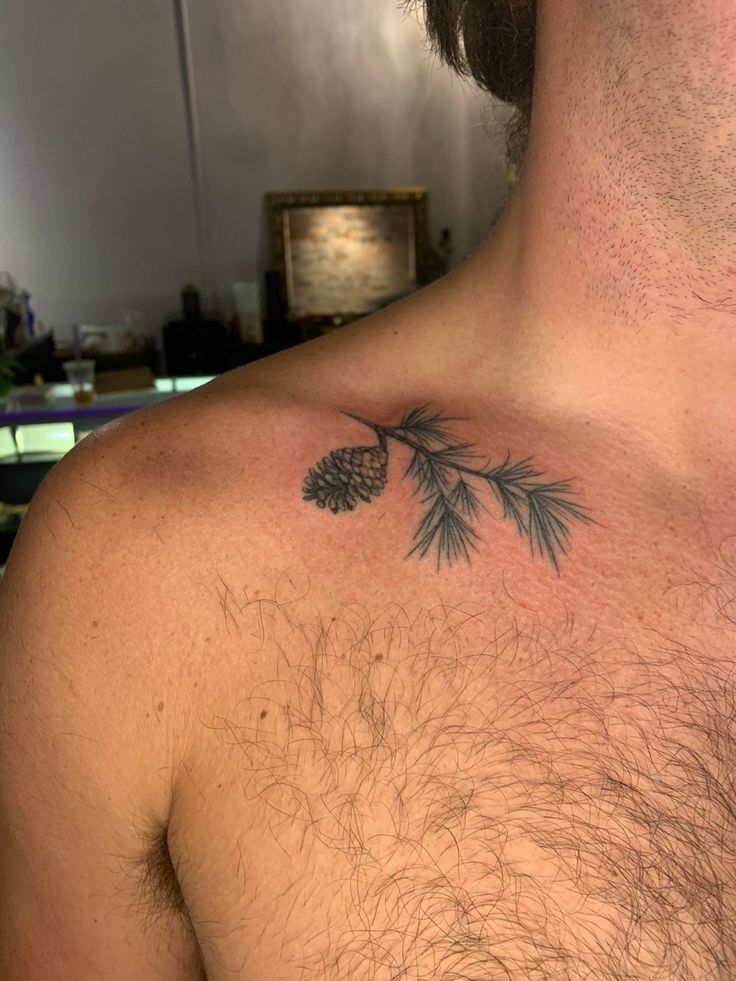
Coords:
37,358
197,347
278,332
190,303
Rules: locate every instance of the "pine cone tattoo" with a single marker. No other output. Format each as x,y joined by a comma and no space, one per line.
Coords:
450,475
346,476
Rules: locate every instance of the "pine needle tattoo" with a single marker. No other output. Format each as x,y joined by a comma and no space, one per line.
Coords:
450,475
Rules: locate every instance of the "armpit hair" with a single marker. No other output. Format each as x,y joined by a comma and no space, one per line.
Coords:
150,878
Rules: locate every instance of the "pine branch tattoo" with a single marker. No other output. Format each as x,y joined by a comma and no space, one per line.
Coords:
449,475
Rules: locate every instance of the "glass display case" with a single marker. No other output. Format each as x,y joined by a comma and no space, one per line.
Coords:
34,438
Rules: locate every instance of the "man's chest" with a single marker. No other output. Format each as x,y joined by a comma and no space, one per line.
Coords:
446,794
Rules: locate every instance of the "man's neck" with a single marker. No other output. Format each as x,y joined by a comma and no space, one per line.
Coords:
611,277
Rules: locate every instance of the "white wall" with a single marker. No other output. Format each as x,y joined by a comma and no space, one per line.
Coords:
323,94
96,205
95,196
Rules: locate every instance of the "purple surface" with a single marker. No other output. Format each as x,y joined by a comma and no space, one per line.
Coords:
64,415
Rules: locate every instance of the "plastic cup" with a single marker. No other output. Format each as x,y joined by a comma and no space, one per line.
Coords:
81,376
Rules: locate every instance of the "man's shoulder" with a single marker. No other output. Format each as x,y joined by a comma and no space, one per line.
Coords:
291,465
125,517
332,466
193,443
249,425
113,579
215,473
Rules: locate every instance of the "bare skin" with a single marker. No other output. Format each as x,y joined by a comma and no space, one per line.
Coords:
370,768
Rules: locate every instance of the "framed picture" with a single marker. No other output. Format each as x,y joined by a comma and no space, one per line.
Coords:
342,254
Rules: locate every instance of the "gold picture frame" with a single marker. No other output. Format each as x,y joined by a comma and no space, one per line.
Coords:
343,254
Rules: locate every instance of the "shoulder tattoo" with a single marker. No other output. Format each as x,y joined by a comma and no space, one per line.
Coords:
450,475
